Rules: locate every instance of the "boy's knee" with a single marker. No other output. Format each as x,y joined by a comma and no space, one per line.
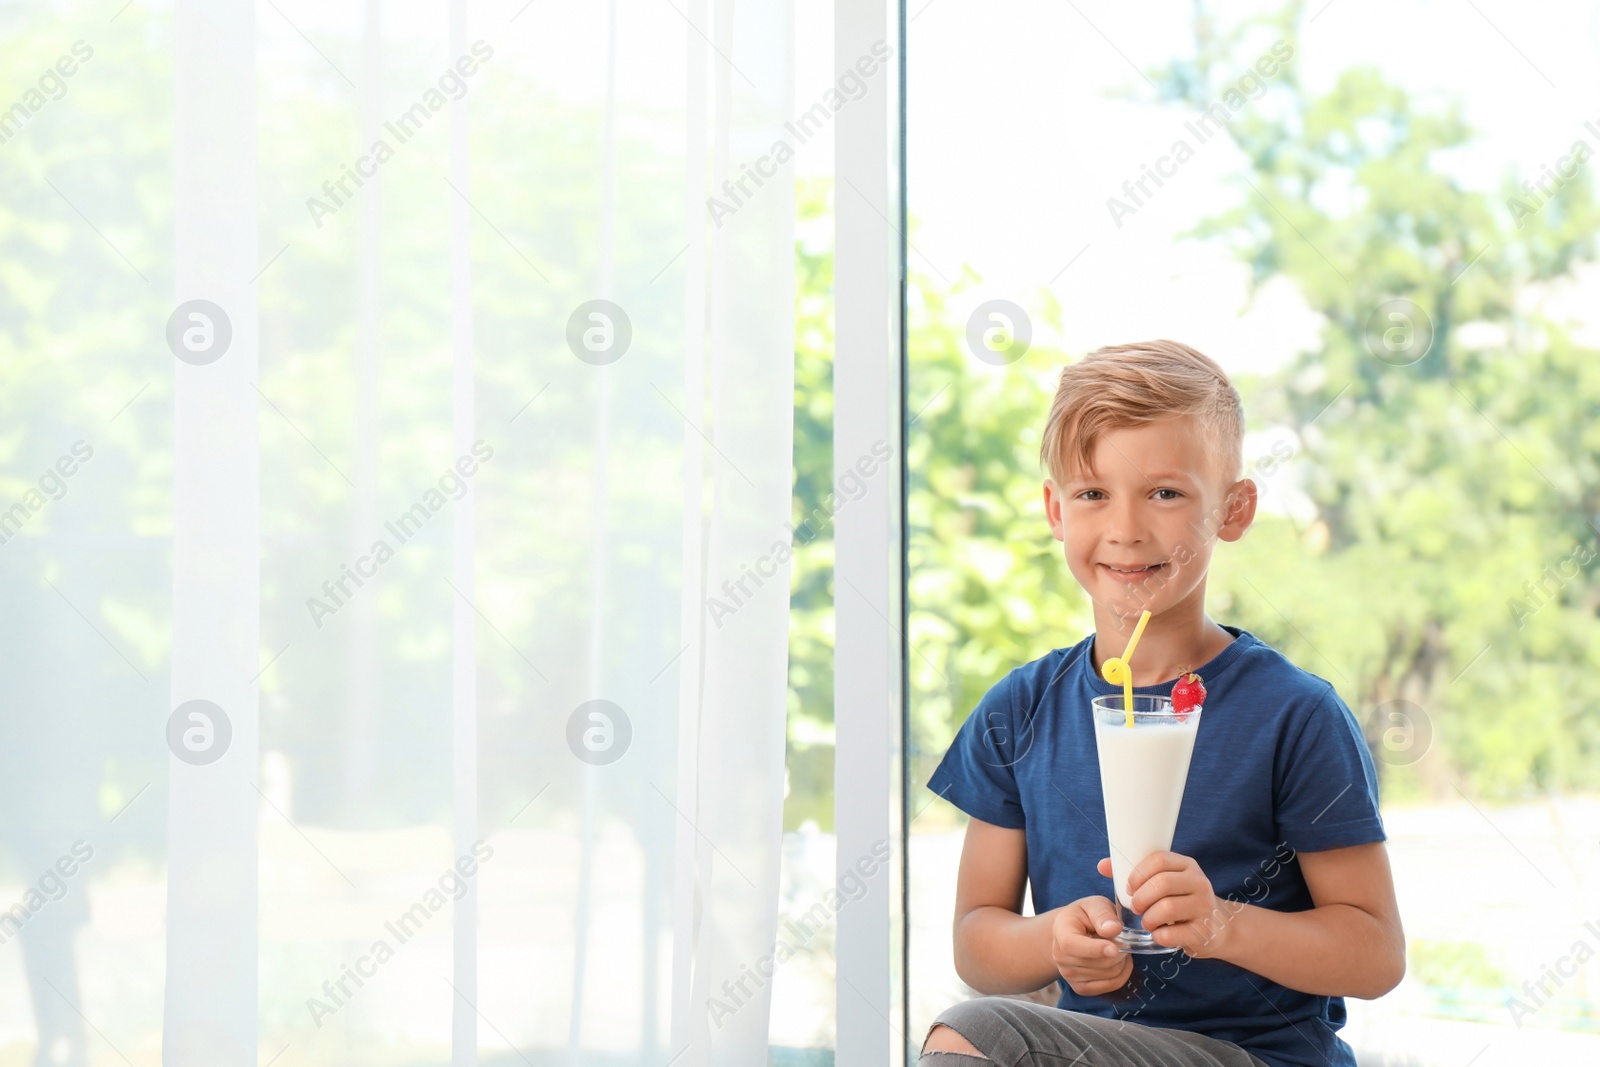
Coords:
943,1039
993,1016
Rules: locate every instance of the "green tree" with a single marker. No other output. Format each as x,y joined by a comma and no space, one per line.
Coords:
1443,489
1441,485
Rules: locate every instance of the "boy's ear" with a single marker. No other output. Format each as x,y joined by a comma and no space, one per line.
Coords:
1241,510
1052,510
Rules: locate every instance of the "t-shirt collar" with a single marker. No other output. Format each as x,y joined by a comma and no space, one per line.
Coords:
1208,671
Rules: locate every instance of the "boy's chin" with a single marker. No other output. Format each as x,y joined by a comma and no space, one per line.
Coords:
1130,603
1128,609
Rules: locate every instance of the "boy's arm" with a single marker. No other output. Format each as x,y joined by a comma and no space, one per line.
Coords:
998,950
1350,943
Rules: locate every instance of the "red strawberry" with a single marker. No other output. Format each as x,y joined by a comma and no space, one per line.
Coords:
1188,693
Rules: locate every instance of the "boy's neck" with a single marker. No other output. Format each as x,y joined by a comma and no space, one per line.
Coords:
1179,639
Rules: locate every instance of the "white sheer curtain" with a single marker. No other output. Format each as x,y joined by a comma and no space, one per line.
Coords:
411,655
660,474
730,784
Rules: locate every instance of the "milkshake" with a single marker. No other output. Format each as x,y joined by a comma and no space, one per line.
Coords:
1143,768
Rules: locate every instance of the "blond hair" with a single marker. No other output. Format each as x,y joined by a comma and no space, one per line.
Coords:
1132,385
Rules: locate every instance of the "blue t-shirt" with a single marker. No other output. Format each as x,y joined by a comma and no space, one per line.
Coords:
1279,768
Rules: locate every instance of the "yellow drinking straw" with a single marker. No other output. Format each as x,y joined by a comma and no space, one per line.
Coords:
1117,671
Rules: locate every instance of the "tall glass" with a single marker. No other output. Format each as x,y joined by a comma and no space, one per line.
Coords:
1143,769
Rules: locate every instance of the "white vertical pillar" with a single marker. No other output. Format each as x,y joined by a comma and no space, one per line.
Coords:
210,995
361,690
868,589
600,541
691,677
464,660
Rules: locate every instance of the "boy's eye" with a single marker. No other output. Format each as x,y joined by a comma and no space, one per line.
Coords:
1174,494
1090,494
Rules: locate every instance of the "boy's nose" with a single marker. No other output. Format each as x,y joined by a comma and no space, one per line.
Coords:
1125,527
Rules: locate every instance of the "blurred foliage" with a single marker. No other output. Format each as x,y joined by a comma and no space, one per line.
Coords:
1441,494
77,300
84,301
809,758
1441,487
1455,965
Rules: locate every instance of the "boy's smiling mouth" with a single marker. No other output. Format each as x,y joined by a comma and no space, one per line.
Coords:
1132,573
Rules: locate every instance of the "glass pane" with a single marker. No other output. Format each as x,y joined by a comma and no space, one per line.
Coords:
1386,239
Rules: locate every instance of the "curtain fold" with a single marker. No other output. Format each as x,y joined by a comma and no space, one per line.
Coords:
741,729
687,463
209,1013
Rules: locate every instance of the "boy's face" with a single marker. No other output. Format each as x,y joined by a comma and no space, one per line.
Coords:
1138,530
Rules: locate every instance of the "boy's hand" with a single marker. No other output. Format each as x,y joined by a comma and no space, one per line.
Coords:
1092,965
1174,899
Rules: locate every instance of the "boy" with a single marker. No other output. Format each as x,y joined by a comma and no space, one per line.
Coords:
1277,890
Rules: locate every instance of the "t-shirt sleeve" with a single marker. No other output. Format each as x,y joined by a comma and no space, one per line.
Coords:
976,774
1326,785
